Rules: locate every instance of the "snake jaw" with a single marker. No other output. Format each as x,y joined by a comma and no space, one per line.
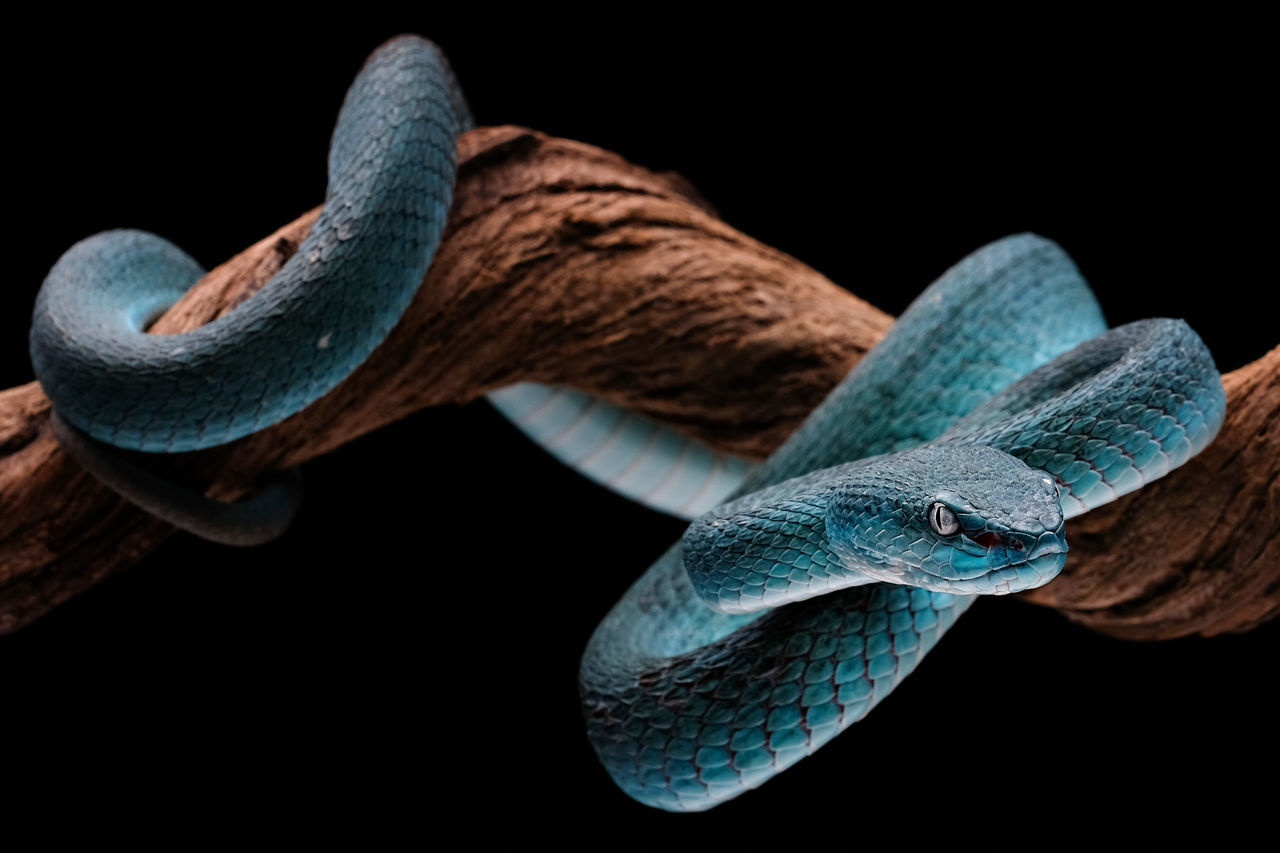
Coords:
1045,557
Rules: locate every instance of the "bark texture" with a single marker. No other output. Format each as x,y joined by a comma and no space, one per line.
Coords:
564,263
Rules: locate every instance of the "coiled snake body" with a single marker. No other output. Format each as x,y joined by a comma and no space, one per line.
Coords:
391,173
943,467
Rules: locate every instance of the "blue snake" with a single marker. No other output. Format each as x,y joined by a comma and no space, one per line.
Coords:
944,466
392,164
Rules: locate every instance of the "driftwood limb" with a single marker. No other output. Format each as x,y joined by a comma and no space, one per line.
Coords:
564,263
1213,523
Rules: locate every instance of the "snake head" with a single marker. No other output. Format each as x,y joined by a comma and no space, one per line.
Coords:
964,520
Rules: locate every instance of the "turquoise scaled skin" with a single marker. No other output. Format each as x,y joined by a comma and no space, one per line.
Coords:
696,687
391,176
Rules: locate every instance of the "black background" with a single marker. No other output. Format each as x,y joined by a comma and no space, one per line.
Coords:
390,656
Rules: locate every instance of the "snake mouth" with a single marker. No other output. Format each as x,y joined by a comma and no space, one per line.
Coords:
999,563
1043,565
1053,561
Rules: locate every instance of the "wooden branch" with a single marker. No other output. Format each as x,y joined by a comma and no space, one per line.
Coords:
564,263
1214,524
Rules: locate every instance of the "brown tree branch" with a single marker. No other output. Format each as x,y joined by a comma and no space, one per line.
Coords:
564,263
1213,523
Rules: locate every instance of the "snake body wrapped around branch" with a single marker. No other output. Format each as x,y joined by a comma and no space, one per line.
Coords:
917,484
931,474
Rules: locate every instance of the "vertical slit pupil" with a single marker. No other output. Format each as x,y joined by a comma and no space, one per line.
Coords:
943,520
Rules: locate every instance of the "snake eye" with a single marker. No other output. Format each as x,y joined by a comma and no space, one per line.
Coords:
943,520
